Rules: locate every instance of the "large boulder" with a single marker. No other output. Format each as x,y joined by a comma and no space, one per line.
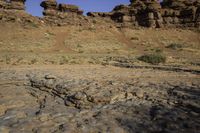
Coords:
49,4
69,8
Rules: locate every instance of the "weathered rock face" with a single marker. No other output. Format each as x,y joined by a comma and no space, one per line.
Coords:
143,13
139,12
180,12
49,4
14,11
60,14
150,13
69,8
147,13
50,7
13,4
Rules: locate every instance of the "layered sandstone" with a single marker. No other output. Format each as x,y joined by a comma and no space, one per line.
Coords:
60,14
180,12
12,4
150,13
14,11
140,13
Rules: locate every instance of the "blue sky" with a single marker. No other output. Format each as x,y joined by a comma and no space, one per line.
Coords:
33,6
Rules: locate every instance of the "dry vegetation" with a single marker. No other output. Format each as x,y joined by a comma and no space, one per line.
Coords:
72,45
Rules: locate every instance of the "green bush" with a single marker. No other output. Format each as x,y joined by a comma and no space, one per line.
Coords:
175,46
153,58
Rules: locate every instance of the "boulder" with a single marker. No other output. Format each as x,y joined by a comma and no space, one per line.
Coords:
122,8
70,8
19,1
50,12
49,4
16,5
99,14
93,14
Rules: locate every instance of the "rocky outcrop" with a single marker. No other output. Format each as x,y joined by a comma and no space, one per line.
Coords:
60,14
177,13
13,4
14,11
66,8
140,13
99,14
150,13
50,7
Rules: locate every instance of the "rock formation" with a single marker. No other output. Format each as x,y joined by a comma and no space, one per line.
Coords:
14,11
180,12
143,13
69,9
150,13
60,13
13,4
50,7
139,12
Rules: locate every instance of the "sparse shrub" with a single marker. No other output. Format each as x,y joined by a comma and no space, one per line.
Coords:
158,50
175,46
74,62
33,61
8,60
79,46
94,21
154,59
64,60
50,33
19,60
134,38
92,28
34,25
80,51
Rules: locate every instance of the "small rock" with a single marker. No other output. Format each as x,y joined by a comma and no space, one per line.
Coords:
2,110
140,94
80,95
50,77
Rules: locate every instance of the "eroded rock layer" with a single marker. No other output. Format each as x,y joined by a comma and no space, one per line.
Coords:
140,13
61,13
170,13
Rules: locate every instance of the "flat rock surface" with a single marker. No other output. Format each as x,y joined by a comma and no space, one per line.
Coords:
95,99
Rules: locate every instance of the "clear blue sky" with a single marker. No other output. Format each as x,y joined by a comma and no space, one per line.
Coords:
33,6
